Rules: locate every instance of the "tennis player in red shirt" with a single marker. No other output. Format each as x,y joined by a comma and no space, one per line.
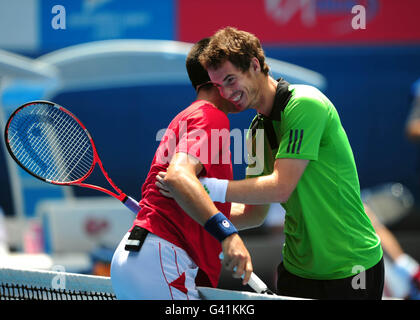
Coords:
174,246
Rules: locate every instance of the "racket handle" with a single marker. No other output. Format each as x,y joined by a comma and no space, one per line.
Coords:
131,204
257,284
254,281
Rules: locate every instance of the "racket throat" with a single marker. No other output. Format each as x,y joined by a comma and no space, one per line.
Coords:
131,204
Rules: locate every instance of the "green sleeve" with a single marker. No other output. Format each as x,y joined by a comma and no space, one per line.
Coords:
302,127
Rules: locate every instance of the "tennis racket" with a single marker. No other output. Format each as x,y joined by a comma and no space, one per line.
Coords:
254,282
51,144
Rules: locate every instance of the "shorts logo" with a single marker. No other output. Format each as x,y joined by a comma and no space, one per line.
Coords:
295,141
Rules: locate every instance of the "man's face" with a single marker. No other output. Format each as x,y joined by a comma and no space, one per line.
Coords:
241,88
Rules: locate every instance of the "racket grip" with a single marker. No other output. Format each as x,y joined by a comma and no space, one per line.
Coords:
257,284
132,204
254,281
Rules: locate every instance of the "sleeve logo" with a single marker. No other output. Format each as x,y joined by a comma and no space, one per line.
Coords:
295,141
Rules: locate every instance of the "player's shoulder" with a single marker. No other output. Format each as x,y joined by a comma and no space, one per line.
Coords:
303,93
196,108
203,106
305,96
205,111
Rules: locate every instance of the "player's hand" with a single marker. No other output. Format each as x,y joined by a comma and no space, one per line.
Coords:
160,183
236,258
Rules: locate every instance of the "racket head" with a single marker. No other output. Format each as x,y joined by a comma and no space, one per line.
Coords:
50,143
390,202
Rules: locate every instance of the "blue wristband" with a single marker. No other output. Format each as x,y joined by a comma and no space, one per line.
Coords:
220,227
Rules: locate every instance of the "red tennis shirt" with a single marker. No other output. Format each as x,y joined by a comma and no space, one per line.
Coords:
202,131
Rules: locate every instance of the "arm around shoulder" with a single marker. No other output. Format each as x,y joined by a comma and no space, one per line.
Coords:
181,179
276,187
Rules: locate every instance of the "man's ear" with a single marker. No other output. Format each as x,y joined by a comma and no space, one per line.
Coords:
255,65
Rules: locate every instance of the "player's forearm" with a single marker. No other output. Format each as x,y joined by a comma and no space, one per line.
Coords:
260,190
190,194
275,187
248,216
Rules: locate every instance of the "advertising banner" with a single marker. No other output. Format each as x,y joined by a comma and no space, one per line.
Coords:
78,21
304,21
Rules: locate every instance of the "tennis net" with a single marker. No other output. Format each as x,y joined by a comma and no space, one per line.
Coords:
22,284
30,284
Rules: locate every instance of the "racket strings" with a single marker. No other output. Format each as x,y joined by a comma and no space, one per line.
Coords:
25,156
43,155
48,134
80,167
66,155
50,143
54,137
71,158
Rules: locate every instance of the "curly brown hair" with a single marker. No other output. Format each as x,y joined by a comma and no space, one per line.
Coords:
236,46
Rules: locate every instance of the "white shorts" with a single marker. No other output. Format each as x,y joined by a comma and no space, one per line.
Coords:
159,271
